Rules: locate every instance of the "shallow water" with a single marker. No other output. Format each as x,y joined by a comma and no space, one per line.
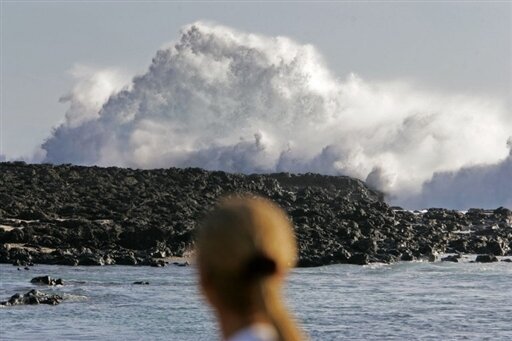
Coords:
404,301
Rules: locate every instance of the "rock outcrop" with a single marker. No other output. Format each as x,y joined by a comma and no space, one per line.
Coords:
32,297
76,215
47,280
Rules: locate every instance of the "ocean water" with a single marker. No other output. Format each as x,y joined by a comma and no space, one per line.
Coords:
404,301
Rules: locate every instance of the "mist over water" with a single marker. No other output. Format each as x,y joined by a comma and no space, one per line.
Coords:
221,99
477,186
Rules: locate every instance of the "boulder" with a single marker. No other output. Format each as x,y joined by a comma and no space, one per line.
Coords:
407,256
159,254
451,258
91,260
126,259
157,263
365,245
496,247
47,280
459,245
359,258
486,259
32,297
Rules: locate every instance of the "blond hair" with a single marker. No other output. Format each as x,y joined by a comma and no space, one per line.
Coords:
244,247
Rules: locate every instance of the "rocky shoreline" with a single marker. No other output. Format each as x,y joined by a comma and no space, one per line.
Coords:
76,215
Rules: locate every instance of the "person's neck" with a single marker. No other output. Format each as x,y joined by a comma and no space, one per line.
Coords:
231,323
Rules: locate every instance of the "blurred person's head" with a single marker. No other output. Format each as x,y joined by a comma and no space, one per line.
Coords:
245,247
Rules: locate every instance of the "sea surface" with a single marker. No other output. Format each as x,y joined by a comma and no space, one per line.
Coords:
403,301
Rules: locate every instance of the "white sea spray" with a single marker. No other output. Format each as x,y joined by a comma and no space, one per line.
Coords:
222,99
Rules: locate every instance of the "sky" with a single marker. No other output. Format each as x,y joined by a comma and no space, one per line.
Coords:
463,47
60,62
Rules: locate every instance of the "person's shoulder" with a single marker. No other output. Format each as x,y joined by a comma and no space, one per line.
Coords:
256,332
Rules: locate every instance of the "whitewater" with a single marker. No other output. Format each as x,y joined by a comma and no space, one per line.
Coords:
222,99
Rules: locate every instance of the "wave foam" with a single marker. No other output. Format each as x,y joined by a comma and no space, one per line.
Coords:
221,99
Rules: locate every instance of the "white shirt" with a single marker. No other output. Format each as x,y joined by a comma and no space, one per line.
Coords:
256,332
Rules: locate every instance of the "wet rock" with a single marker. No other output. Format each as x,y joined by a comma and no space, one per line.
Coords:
159,254
306,262
108,260
426,250
451,258
496,247
31,298
359,259
407,256
341,255
385,258
47,280
157,263
365,245
67,260
486,259
91,260
20,257
459,245
126,259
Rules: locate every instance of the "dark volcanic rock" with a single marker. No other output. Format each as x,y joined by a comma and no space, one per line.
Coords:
486,259
359,259
407,256
157,263
91,260
126,259
451,258
101,216
32,297
47,280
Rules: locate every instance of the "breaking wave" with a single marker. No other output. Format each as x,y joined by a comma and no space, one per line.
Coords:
222,99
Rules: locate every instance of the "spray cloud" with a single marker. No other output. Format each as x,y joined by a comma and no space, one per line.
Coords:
227,100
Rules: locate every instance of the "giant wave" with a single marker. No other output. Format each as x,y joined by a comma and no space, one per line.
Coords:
222,99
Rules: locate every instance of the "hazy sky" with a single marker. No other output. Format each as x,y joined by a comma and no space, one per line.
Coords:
456,47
